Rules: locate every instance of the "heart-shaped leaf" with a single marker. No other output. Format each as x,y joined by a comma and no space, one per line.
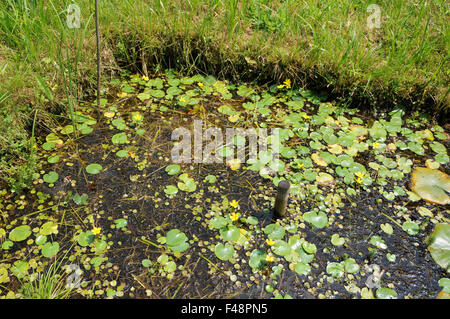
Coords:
85,238
230,233
50,177
302,268
224,252
257,259
431,185
335,269
170,190
274,231
317,219
439,245
281,248
50,249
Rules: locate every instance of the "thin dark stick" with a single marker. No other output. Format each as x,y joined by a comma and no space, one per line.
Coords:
97,33
282,198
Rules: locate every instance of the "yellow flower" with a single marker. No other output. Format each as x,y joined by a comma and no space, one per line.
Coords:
132,154
305,116
376,145
287,83
200,84
182,99
359,174
359,180
234,203
145,78
122,94
270,242
96,230
270,258
234,216
280,86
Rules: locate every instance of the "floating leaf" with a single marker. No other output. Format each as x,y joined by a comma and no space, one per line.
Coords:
170,190
50,249
176,240
302,268
224,252
20,233
257,259
431,185
173,169
121,223
336,240
94,168
49,228
439,245
230,233
386,293
274,231
85,238
119,138
335,269
351,266
410,227
318,219
50,177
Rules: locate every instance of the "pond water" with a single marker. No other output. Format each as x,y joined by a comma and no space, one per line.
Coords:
110,198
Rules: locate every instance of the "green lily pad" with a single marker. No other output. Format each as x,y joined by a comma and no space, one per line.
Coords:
122,153
176,240
386,293
224,252
210,179
439,245
50,249
378,242
50,177
173,169
257,259
336,240
20,233
7,244
281,248
119,138
170,190
302,268
218,222
317,219
121,223
410,227
230,233
387,228
85,238
52,159
94,168
274,231
431,185
335,269
49,228
351,266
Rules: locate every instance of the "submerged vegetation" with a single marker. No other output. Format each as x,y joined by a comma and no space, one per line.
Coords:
92,204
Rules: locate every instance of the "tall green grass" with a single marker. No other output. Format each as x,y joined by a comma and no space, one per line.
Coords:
319,43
